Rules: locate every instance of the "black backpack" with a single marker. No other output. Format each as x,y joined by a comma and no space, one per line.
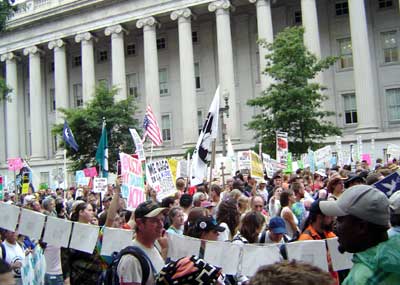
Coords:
111,276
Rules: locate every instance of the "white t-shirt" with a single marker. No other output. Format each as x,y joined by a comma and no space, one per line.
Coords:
130,271
14,253
52,254
226,234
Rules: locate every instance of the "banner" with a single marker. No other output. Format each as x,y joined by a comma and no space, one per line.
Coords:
138,144
311,160
132,181
173,165
289,164
359,148
182,169
393,151
256,170
282,147
390,184
99,185
1,188
244,161
323,156
81,179
90,172
159,177
339,151
15,164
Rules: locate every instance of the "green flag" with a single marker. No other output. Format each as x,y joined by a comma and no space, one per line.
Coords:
102,152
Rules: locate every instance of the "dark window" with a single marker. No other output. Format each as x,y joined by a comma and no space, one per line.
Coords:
103,56
342,8
77,61
131,49
161,43
195,37
385,4
298,20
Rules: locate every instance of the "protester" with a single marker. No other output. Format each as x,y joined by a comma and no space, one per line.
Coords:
362,223
298,208
190,223
228,217
262,190
274,203
185,202
15,255
335,188
177,220
394,202
287,199
276,232
206,228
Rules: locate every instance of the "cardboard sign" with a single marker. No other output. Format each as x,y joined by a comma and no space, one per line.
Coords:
81,179
138,144
132,180
99,185
256,166
173,165
244,160
159,177
15,164
323,156
282,147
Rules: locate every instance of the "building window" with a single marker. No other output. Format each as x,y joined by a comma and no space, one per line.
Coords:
195,37
55,144
51,67
131,49
197,75
346,53
78,97
163,74
390,48
132,84
52,100
341,8
200,120
161,43
76,61
393,104
382,4
102,56
350,108
298,20
166,127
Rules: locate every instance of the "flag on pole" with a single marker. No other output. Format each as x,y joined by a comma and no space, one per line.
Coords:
389,185
202,153
69,137
151,128
102,151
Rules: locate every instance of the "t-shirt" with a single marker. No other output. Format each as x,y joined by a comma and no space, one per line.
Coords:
14,253
130,271
226,234
52,254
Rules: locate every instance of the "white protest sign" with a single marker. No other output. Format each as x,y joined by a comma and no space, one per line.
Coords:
310,251
340,261
99,185
114,240
57,231
138,144
215,253
160,178
84,237
182,170
132,180
31,223
8,216
393,150
244,161
256,256
81,179
282,147
323,156
180,246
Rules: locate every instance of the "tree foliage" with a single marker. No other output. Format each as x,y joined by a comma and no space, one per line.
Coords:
86,125
6,10
4,89
292,103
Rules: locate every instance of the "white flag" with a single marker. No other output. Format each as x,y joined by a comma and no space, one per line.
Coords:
202,153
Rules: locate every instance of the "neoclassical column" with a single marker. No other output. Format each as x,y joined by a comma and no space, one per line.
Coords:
60,76
188,84
88,74
118,59
37,109
265,32
152,81
310,23
12,121
363,74
225,62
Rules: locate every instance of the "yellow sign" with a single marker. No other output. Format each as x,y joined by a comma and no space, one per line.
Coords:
173,164
25,187
256,166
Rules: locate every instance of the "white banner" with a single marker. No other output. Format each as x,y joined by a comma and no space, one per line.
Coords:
100,185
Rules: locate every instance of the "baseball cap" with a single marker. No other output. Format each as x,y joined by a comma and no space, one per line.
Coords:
362,201
315,208
207,224
277,225
107,198
394,202
149,209
321,173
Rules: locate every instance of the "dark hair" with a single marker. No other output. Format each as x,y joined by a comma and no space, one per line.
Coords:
167,201
332,184
216,189
127,215
284,199
228,213
189,228
238,184
251,222
78,208
185,201
394,219
295,187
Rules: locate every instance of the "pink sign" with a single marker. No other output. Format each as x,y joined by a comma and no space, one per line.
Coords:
132,180
366,157
14,164
90,172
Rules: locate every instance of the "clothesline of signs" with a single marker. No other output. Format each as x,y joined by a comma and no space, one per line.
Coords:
244,258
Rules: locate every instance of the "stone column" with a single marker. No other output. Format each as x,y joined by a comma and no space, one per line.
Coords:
363,75
88,74
12,120
310,23
152,81
60,77
37,107
265,32
225,63
188,84
118,59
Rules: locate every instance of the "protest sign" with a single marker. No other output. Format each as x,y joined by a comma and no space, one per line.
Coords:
393,151
81,179
310,251
173,165
256,169
389,184
90,172
160,178
282,147
138,144
132,180
99,185
268,165
1,188
340,261
9,215
244,161
289,163
228,166
182,169
339,151
323,156
14,164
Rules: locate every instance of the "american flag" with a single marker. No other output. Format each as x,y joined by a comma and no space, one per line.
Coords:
152,130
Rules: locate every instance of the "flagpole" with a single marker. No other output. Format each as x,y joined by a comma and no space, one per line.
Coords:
151,152
65,169
214,142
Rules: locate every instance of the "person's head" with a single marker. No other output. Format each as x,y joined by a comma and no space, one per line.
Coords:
262,184
298,189
235,194
293,273
194,214
49,204
176,217
362,217
83,213
180,184
35,206
185,201
215,192
229,183
287,198
318,220
238,184
206,228
10,236
277,229
6,276
335,186
374,177
243,204
251,226
107,201
209,206
228,213
353,180
257,203
168,202
277,179
198,197
277,192
364,165
394,202
149,218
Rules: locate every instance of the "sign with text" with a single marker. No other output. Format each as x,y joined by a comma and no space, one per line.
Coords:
81,179
99,185
244,161
138,144
160,178
15,164
132,181
282,147
257,171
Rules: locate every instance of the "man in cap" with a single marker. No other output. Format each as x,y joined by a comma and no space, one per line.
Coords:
362,223
394,202
149,218
276,232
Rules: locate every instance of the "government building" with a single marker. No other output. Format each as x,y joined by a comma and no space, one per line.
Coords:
172,54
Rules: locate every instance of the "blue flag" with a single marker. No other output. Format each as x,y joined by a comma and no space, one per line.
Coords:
69,137
102,152
389,184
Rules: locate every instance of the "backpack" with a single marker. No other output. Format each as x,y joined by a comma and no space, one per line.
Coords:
3,251
111,275
264,237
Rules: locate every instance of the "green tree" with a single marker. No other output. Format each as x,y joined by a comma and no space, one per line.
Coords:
4,89
293,103
86,125
6,9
